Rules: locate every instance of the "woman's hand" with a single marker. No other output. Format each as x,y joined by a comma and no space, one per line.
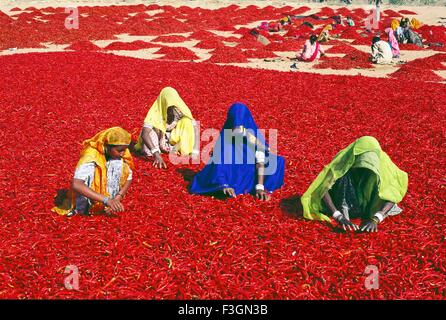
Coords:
159,162
347,224
262,195
230,192
115,205
370,226
108,211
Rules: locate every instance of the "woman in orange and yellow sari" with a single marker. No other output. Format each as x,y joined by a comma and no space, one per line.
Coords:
102,177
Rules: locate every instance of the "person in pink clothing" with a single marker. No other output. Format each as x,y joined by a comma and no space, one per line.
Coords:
393,43
312,50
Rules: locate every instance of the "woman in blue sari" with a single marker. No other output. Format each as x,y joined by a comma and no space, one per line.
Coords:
241,161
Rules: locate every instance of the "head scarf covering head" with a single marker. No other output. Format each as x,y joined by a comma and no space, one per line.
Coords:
223,171
157,115
240,116
394,24
94,149
112,136
366,153
415,23
183,135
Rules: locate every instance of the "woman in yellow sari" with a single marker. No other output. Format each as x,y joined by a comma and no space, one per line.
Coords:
168,127
102,177
324,36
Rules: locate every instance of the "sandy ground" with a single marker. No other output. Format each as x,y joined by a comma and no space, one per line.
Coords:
430,15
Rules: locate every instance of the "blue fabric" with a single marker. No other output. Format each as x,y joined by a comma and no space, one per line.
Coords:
240,172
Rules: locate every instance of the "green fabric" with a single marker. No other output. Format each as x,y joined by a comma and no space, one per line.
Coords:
363,153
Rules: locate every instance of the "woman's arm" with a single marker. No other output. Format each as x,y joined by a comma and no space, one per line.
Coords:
329,202
256,142
372,225
79,186
121,194
260,173
145,136
321,50
381,215
260,188
337,215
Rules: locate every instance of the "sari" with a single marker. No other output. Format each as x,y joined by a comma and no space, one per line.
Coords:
324,35
387,179
393,42
93,151
309,56
232,164
413,37
183,133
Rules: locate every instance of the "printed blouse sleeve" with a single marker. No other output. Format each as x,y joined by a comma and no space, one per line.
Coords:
85,172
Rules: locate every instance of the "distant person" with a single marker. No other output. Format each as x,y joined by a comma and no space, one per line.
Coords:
350,22
262,39
393,42
312,50
410,36
381,51
324,36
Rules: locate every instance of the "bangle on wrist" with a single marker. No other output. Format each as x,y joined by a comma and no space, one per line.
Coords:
155,150
260,187
376,220
379,216
337,214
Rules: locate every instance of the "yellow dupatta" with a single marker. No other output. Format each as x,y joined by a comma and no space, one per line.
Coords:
394,24
323,34
183,134
94,151
415,23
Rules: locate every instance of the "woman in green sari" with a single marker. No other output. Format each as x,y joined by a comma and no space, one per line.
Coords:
360,182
